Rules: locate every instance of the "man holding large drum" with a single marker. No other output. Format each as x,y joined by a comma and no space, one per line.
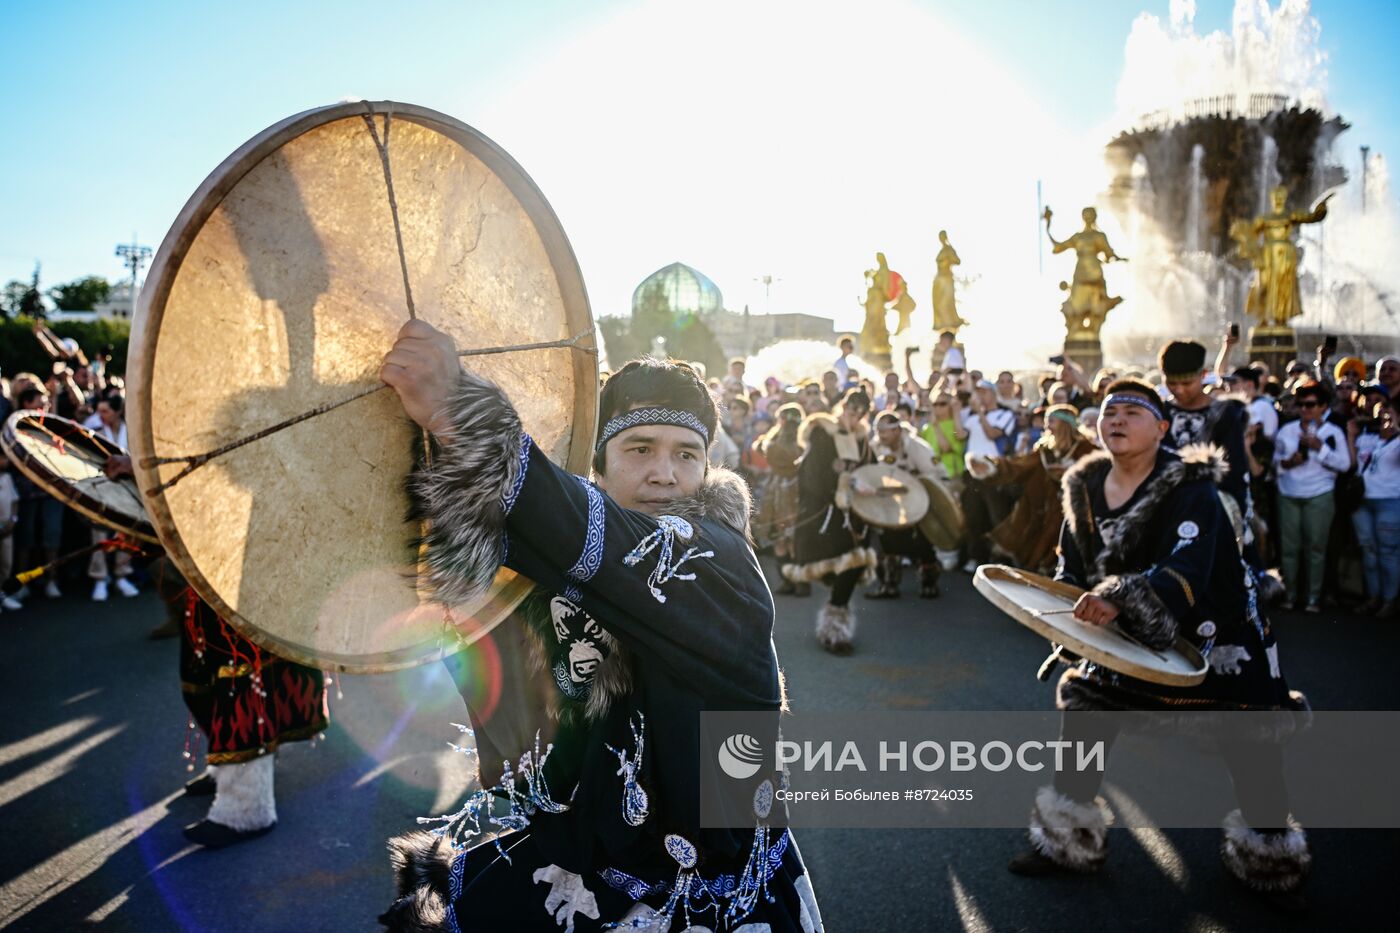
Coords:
649,608
1145,532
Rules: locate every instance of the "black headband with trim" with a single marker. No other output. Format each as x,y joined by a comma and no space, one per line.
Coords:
1133,398
644,416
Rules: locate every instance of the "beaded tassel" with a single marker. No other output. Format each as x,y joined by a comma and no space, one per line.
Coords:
669,528
686,894
753,881
475,817
634,798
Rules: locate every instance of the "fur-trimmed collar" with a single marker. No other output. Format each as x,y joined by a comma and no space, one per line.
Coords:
724,497
819,420
1192,462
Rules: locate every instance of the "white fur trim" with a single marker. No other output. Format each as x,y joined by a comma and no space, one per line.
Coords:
1265,862
1071,834
836,627
243,795
811,573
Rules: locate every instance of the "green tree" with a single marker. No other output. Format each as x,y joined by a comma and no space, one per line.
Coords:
12,296
31,303
81,294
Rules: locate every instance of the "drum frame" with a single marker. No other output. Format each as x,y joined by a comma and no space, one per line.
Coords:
986,573
150,310
92,509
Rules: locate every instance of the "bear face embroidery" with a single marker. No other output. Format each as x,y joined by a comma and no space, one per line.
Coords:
579,648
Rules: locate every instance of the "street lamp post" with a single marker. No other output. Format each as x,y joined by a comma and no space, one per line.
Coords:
134,257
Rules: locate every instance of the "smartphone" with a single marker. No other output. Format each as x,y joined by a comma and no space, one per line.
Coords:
1330,343
1235,331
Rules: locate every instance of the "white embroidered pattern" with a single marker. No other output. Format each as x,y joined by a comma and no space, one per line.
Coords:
668,565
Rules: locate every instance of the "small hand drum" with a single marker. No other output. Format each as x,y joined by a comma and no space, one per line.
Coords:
899,500
65,460
943,524
1043,605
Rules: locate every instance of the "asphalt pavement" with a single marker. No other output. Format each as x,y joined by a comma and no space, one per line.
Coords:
93,733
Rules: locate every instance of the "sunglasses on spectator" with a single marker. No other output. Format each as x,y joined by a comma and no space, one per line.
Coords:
1309,404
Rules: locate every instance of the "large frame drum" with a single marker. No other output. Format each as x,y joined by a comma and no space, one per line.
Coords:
277,291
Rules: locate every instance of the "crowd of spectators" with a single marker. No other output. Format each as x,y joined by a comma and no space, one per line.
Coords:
1319,444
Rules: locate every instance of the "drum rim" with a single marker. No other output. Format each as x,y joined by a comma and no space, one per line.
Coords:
935,487
150,312
87,506
982,580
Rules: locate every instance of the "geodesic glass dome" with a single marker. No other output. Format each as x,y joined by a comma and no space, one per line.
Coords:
687,291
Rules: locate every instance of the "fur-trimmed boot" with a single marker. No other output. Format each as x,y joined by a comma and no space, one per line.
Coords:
836,628
1273,863
928,580
1065,835
244,805
889,572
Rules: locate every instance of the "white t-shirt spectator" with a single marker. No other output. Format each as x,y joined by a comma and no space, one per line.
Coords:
977,440
1263,413
842,370
1378,462
884,397
118,437
1317,474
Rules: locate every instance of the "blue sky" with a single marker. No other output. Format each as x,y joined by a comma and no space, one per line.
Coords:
117,112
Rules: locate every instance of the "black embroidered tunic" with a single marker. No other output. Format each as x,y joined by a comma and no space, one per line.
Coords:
1169,560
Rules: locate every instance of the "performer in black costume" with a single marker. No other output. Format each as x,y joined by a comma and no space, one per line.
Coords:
649,608
833,544
1146,532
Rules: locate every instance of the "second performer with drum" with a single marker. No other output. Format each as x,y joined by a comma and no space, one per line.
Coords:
1146,533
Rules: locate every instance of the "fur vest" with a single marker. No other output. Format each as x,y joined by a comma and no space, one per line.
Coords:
1197,461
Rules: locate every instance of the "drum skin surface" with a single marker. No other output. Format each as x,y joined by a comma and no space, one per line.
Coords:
278,290
900,500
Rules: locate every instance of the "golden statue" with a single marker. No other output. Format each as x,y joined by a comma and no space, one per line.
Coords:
885,289
1088,303
1275,296
875,335
945,306
1247,246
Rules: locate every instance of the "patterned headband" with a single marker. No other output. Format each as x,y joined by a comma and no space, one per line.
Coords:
1132,398
642,416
